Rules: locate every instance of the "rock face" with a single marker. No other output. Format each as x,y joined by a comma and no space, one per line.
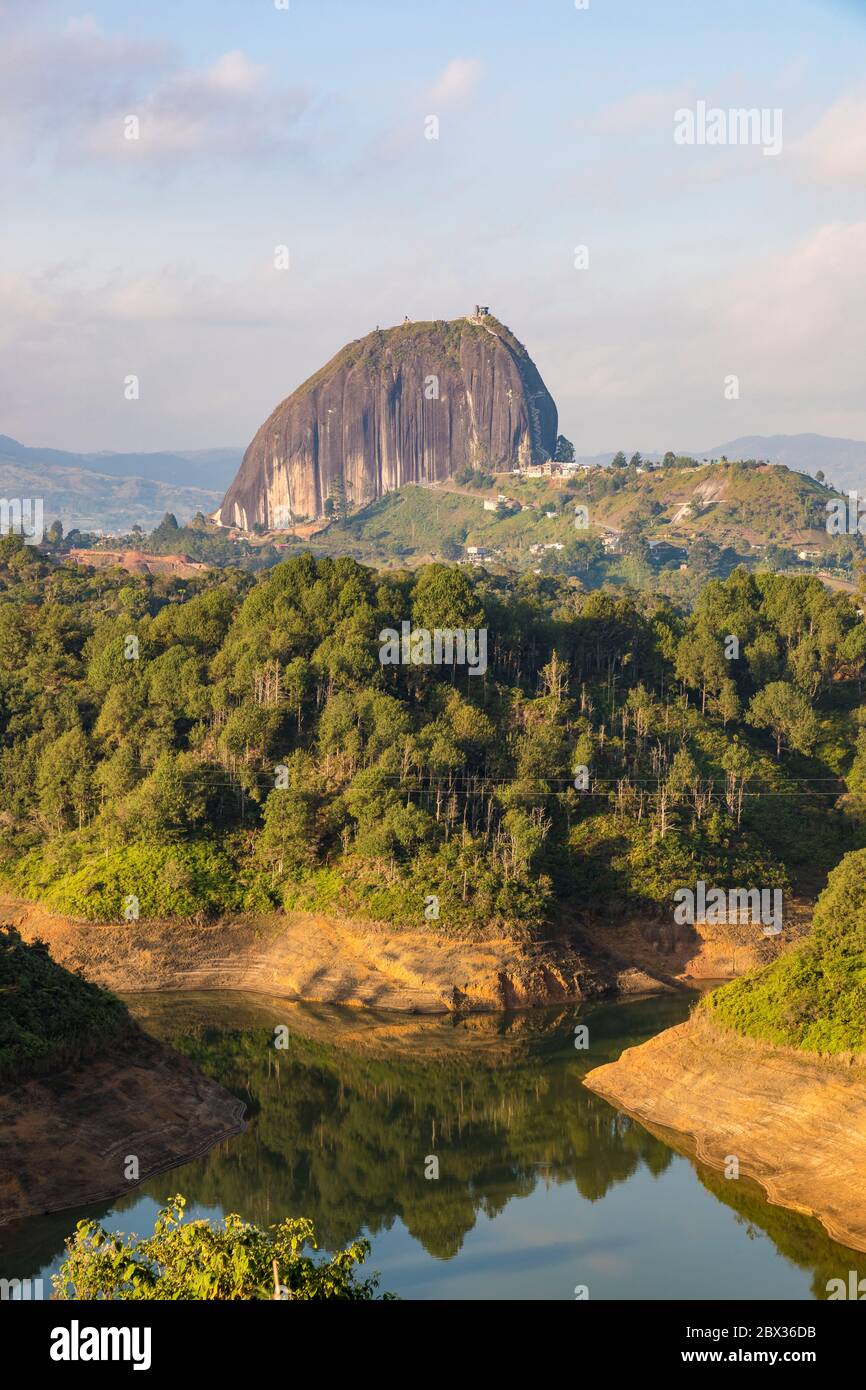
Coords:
795,1122
411,404
310,956
66,1135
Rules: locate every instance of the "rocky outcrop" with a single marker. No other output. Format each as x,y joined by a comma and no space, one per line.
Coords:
68,1137
796,1123
306,955
411,404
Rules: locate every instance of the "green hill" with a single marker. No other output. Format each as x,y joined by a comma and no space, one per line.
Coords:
690,521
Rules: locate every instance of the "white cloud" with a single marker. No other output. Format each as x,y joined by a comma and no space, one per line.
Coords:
68,93
796,321
199,344
834,151
67,295
58,77
234,72
641,362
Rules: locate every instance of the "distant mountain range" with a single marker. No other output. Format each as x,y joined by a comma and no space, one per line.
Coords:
112,492
208,468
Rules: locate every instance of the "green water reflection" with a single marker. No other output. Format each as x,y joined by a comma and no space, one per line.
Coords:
342,1123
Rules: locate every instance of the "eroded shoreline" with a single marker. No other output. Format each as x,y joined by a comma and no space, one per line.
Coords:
321,959
329,959
795,1123
69,1137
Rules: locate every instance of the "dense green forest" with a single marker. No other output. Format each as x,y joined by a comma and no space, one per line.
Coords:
182,748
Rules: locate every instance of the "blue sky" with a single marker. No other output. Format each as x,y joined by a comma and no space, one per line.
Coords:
261,127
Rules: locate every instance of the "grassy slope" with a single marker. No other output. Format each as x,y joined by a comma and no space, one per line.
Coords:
762,504
754,506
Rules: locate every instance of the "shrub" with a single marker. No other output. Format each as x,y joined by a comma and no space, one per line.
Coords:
814,996
204,1260
182,879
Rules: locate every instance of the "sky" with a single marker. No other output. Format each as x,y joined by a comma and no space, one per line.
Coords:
721,291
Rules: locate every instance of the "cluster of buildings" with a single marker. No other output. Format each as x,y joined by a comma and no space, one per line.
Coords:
480,554
551,469
549,545
541,470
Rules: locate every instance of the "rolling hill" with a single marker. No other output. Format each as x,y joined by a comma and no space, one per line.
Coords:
842,461
211,469
742,509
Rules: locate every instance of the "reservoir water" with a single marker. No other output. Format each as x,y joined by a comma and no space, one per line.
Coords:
542,1186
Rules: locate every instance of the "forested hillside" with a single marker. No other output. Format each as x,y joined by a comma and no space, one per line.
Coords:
185,748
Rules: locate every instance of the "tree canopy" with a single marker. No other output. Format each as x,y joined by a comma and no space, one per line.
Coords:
175,748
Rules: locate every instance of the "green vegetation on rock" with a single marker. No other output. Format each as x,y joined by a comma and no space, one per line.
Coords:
814,996
49,1017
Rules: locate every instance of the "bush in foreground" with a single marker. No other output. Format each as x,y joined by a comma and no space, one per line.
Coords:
202,1260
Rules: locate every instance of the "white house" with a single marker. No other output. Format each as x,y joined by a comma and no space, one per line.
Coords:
476,554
